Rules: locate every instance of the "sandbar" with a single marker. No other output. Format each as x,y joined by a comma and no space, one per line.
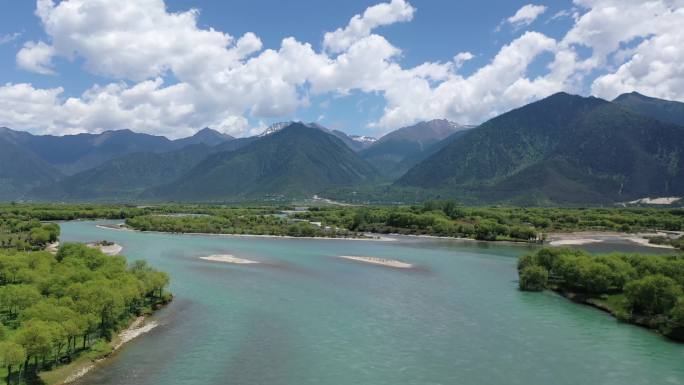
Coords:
379,261
227,258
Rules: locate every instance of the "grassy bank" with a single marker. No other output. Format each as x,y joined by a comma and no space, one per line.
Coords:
645,290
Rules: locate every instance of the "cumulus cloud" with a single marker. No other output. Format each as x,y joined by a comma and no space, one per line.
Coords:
493,89
36,57
526,15
654,64
169,76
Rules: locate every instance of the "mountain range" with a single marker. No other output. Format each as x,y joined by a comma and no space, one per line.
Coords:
298,160
564,149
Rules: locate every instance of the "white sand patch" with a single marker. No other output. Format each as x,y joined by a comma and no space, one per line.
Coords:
656,201
137,328
110,250
571,242
80,373
52,247
227,258
379,261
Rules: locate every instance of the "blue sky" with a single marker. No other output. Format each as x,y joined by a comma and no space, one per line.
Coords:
553,46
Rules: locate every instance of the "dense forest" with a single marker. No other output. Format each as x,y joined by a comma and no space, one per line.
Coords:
57,307
643,289
53,307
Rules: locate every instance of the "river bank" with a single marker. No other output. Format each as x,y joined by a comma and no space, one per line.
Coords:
613,305
557,239
369,237
85,363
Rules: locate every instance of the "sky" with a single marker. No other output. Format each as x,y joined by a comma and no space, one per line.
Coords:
172,67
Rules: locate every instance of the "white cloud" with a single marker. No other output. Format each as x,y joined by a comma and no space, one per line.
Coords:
360,26
526,15
9,37
655,64
219,81
493,89
36,57
462,57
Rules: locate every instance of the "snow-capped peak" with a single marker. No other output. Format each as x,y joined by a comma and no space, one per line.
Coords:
363,138
275,127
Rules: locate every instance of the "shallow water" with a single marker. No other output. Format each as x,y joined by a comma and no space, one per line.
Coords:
304,317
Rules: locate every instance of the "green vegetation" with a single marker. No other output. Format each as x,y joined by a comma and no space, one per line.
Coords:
235,221
55,307
446,218
297,161
533,278
22,234
437,218
642,289
663,110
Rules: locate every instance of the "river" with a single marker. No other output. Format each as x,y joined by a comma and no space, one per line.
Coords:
304,316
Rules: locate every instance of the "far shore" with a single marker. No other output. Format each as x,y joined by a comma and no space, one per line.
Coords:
371,237
577,238
379,261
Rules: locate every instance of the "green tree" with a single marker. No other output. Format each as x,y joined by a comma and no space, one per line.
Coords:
653,294
40,236
595,277
16,298
677,314
11,355
533,278
36,338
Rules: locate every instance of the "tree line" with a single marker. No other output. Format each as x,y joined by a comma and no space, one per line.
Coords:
447,218
235,221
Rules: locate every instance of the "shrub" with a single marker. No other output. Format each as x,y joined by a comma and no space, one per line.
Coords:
653,294
533,278
526,260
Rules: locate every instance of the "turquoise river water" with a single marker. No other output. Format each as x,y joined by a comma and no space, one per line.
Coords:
305,317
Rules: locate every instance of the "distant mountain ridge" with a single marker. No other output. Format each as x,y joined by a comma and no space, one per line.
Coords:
396,152
125,177
663,110
561,149
296,161
22,170
71,154
204,136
